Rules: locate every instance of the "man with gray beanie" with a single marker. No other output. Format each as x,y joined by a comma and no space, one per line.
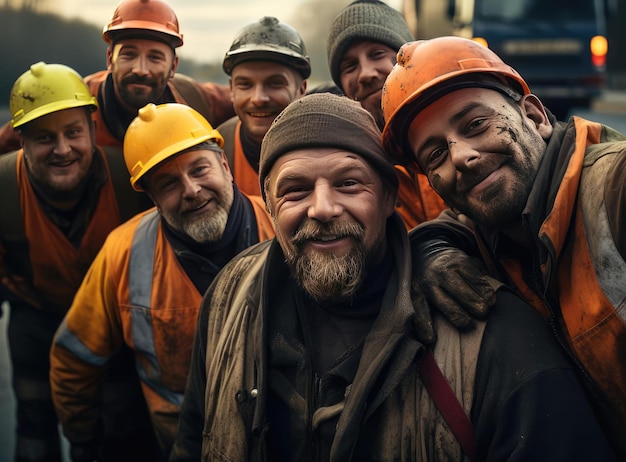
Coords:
362,45
313,346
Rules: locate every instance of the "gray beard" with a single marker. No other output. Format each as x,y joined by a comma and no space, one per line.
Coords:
210,230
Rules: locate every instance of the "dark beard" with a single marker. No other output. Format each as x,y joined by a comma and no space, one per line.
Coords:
134,100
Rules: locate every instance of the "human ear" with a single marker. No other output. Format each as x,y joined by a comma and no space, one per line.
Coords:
533,109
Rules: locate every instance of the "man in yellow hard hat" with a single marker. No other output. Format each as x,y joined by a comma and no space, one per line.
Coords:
142,39
145,286
61,195
268,65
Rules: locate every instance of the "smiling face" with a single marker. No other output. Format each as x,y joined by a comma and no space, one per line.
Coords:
363,70
141,69
194,193
58,148
330,210
481,151
260,90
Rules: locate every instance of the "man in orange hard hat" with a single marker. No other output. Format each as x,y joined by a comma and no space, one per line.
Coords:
546,199
142,39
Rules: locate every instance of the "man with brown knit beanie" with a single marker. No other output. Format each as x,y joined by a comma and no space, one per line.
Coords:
362,45
312,347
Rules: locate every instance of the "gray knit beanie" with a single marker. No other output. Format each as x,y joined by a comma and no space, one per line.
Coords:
325,120
365,20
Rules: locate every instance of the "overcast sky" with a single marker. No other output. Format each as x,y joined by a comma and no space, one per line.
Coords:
208,26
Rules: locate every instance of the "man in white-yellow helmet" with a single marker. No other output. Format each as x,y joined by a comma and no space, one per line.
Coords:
145,287
61,195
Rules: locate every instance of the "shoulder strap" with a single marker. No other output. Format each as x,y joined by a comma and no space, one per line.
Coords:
188,89
447,403
11,224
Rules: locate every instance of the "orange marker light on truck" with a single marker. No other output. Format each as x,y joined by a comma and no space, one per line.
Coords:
599,47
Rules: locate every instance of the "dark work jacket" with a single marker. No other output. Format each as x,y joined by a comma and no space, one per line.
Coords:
573,272
526,405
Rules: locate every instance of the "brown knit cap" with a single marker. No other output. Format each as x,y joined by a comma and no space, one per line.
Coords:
325,120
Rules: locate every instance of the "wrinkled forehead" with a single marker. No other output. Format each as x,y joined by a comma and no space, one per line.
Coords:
318,161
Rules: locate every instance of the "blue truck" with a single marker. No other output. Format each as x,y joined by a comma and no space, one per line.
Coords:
558,46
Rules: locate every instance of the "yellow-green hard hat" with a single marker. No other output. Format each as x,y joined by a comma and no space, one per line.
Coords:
47,88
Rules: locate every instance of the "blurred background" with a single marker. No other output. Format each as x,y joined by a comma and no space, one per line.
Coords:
69,32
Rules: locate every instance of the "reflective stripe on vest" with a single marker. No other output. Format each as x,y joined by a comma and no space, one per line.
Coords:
65,338
140,293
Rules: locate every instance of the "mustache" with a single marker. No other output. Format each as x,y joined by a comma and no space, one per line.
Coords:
471,177
191,204
312,230
141,80
367,88
468,181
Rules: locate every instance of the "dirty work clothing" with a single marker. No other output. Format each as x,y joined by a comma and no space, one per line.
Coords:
574,272
417,202
43,259
143,290
253,394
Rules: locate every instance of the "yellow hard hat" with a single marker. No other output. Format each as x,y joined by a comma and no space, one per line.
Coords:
427,69
47,88
137,18
160,132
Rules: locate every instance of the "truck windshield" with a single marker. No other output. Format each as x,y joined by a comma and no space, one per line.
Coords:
529,10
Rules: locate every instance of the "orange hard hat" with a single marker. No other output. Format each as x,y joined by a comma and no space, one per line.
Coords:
144,18
429,69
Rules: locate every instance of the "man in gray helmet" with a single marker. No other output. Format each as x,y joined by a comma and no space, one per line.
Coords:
268,66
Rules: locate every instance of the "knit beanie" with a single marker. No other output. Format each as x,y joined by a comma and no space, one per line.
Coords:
325,120
365,20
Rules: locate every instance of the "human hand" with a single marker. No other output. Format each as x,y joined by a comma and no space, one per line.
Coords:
453,283
424,330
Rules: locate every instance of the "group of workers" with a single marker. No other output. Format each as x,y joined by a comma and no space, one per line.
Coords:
422,264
